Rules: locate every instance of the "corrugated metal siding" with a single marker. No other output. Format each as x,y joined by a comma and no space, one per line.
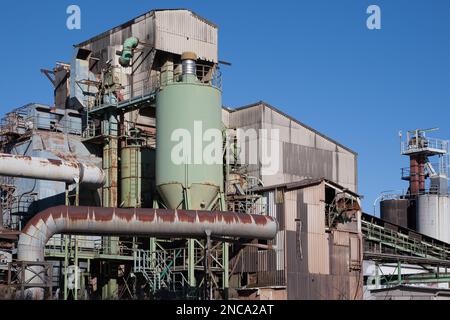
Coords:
340,238
317,263
318,253
250,259
340,260
346,170
271,278
105,48
271,206
290,210
275,208
307,161
323,269
314,194
280,250
180,30
304,153
247,118
355,249
316,218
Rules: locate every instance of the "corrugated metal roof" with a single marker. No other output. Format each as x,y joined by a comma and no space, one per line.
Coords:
180,31
136,19
303,184
263,103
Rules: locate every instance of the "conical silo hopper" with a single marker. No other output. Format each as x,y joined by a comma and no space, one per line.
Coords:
188,110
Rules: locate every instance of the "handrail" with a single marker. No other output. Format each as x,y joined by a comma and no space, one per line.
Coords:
169,74
402,242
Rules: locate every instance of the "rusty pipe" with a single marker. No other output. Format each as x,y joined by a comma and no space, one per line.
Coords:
136,222
49,169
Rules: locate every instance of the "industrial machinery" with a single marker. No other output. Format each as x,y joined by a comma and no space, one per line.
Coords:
194,182
134,184
424,207
409,244
122,218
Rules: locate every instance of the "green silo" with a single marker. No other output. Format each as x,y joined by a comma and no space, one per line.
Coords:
186,109
137,176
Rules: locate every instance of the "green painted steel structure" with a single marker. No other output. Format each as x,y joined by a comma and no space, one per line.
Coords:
189,140
386,246
135,176
187,112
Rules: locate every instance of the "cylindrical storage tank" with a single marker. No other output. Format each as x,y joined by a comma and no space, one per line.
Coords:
395,211
433,216
136,174
189,126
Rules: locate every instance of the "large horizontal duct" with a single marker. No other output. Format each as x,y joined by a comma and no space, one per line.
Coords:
49,169
134,222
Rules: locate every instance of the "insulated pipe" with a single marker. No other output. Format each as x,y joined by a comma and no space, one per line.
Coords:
49,169
134,222
129,46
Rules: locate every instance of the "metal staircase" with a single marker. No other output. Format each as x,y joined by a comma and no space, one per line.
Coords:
158,269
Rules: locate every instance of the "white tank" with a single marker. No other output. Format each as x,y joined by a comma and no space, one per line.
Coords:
433,216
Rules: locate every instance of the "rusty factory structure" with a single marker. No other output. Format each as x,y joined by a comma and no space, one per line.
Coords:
93,205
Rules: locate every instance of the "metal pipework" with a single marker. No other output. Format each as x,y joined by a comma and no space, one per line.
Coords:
127,53
135,222
188,60
49,169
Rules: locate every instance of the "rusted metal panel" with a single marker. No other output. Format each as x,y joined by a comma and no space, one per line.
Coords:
296,260
271,278
340,238
340,287
141,27
296,284
250,258
355,284
355,244
315,162
340,260
266,260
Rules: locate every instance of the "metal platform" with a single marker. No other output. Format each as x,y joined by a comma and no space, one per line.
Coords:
391,245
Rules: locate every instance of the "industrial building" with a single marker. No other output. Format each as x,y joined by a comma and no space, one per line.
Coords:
406,249
94,206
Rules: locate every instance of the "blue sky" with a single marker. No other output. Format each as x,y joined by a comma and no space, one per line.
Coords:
313,59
